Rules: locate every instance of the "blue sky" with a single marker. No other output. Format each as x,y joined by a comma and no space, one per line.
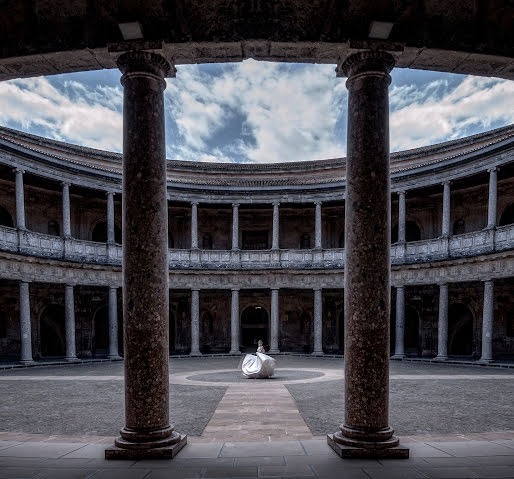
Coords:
256,112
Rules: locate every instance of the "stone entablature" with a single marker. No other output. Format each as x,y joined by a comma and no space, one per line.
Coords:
70,249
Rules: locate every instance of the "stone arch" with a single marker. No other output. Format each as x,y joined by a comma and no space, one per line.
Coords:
460,330
99,233
101,331
6,218
507,216
54,228
413,232
52,331
254,326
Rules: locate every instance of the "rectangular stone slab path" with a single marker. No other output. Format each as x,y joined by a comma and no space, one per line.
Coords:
259,411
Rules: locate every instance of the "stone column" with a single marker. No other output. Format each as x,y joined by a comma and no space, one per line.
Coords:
317,226
274,322
493,191
195,323
366,431
147,432
234,322
399,347
194,225
20,200
276,226
235,226
66,213
69,322
110,217
442,325
318,322
445,227
488,322
402,212
113,323
25,324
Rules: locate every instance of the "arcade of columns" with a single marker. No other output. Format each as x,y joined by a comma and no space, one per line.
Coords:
365,432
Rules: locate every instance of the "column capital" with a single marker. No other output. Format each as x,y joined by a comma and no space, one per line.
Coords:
113,287
364,62
235,289
318,202
19,170
145,63
195,203
402,192
195,289
235,205
442,285
110,193
317,289
493,169
276,203
65,183
400,286
274,289
447,182
488,281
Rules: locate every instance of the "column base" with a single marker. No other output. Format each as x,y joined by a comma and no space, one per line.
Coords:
235,351
27,361
195,354
485,361
317,353
72,359
273,351
373,452
115,357
160,449
398,356
441,358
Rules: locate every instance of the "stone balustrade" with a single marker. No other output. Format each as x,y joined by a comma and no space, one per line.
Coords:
464,245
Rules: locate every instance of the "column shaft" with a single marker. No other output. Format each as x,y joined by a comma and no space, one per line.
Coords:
399,349
493,191
234,322
147,431
488,322
113,323
402,212
365,431
195,323
110,217
318,322
25,324
235,226
69,322
276,226
20,200
66,213
317,226
442,325
274,322
445,227
194,225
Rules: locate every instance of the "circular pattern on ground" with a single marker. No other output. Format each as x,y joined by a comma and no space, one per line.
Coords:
238,377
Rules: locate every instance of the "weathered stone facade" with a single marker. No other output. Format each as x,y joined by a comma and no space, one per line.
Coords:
258,228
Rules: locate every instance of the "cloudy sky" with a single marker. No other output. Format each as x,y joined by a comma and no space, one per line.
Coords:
256,112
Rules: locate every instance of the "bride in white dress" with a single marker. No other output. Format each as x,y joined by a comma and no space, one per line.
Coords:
258,365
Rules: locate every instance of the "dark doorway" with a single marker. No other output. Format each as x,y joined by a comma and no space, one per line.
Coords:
5,218
207,332
172,332
507,217
53,228
101,345
254,326
412,232
460,330
53,337
341,332
412,342
121,350
100,233
255,239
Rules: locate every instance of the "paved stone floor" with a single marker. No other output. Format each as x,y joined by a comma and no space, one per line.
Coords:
457,420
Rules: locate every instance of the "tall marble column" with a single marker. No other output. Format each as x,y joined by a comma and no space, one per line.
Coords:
276,226
113,323
194,225
66,213
402,212
20,200
274,322
493,192
317,225
235,226
25,324
234,322
147,432
110,217
445,227
487,322
366,431
69,322
399,347
442,324
318,322
195,323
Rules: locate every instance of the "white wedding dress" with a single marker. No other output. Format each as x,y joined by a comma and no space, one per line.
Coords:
258,365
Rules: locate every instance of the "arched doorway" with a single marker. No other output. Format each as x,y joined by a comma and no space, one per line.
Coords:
99,233
507,217
460,330
341,332
412,232
254,326
5,218
412,342
206,332
171,330
101,325
52,332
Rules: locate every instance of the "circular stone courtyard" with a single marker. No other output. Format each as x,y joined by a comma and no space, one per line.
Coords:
425,399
